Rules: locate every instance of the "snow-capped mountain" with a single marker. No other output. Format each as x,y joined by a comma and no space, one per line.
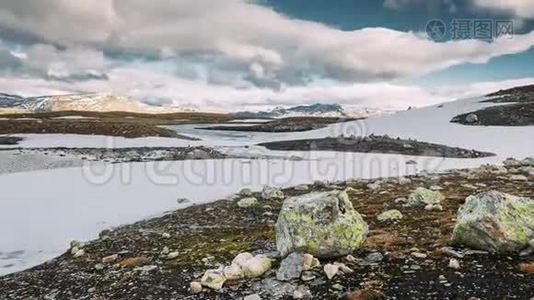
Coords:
96,102
313,110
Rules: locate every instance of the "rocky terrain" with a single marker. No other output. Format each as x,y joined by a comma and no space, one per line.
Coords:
464,234
294,124
375,144
516,108
121,155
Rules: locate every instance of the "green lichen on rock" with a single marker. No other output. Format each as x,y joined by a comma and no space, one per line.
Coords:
247,202
323,224
389,216
495,222
422,196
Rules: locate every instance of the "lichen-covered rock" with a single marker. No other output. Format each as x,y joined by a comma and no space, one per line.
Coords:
495,222
256,266
274,193
213,279
422,197
233,272
323,224
242,258
247,202
389,216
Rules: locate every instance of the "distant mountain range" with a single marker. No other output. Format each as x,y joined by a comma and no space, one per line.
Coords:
313,110
106,102
97,102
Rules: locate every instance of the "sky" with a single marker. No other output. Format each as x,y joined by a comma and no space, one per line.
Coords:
227,55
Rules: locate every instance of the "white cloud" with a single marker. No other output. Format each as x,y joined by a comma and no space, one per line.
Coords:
519,8
74,61
246,34
164,89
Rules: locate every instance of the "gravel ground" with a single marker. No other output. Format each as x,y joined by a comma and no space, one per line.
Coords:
205,236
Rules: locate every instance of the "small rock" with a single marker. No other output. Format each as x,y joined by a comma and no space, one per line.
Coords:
79,253
389,216
173,255
419,255
134,261
331,270
256,266
451,252
307,276
242,258
310,262
302,292
442,278
291,267
337,287
364,294
434,207
182,200
343,268
252,297
213,279
272,193
247,202
422,197
233,272
471,118
454,264
195,287
110,258
166,235
527,267
74,249
374,185
374,257
404,180
400,200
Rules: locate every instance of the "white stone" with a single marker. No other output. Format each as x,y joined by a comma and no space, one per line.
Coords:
454,264
330,270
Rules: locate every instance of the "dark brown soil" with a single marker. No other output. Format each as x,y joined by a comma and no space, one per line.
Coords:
206,235
521,114
128,130
520,111
375,144
163,119
517,91
126,124
295,124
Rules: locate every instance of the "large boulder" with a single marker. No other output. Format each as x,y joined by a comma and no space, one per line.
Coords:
495,222
323,224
